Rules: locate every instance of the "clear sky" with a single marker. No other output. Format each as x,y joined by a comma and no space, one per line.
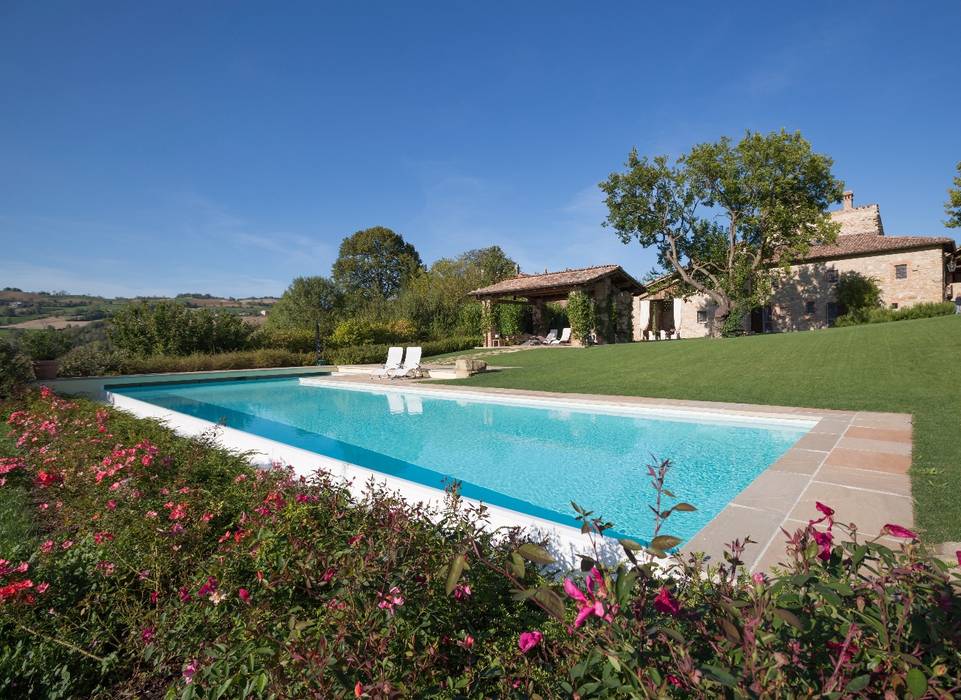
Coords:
226,147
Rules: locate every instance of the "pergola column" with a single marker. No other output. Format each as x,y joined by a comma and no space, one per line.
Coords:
489,330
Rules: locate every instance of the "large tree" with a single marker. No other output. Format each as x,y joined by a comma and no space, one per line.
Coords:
724,213
953,206
374,264
308,301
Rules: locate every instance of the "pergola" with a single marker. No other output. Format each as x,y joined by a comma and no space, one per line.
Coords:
604,283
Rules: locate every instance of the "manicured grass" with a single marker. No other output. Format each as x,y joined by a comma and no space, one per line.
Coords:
904,367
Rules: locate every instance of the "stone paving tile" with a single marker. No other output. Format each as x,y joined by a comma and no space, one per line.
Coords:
886,434
869,510
883,446
893,421
799,461
774,491
860,459
735,523
831,425
865,479
817,441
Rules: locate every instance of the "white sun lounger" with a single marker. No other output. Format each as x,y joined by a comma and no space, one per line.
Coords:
411,364
565,337
394,357
550,337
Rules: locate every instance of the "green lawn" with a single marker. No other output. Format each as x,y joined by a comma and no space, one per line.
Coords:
904,367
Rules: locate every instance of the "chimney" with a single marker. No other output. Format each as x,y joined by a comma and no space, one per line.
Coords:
847,200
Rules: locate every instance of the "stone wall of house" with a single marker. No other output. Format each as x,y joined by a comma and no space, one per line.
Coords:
803,299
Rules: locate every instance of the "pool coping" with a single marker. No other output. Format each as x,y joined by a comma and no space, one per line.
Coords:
856,462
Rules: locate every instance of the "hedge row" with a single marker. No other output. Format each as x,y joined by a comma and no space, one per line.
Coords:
884,315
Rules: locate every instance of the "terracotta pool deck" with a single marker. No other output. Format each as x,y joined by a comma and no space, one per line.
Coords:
855,462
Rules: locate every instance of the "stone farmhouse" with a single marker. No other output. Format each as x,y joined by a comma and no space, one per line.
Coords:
908,269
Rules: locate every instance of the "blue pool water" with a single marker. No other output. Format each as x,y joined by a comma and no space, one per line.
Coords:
531,459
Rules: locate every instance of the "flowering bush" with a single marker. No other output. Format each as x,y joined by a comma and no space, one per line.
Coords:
165,566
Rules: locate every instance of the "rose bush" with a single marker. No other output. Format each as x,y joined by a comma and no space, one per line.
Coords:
162,566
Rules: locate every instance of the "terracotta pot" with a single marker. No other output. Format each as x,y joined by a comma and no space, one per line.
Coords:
45,369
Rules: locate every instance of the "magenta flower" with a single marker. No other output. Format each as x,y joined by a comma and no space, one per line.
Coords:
958,555
209,587
184,594
826,511
47,547
244,595
42,587
189,670
389,601
148,634
589,603
898,531
462,591
666,603
824,541
529,640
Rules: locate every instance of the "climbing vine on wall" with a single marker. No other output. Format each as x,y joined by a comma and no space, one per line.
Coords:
582,314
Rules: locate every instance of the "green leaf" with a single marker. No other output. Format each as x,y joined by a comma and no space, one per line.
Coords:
917,682
684,507
789,618
517,565
551,602
721,675
673,634
630,545
454,573
533,553
587,563
664,542
731,631
858,683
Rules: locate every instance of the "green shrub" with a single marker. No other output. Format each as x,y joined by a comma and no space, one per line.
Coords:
170,328
360,331
511,319
883,315
48,344
15,369
291,339
170,568
582,314
856,292
93,360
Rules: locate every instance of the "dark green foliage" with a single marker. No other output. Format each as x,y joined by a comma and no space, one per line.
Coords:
374,264
953,206
46,344
94,360
170,328
857,293
884,315
15,369
300,340
582,313
364,332
724,212
89,361
307,303
511,319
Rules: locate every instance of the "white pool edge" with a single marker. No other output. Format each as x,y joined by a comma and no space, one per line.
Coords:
564,542
754,418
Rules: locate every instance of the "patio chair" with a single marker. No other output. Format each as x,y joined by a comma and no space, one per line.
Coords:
664,335
565,337
394,357
550,337
411,364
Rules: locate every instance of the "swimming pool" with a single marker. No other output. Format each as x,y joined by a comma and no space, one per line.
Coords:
530,456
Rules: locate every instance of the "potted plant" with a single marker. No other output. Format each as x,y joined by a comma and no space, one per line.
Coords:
44,347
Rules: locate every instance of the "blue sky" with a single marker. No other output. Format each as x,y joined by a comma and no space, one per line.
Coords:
227,147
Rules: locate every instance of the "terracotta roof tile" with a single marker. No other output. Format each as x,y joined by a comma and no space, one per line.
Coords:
529,283
862,244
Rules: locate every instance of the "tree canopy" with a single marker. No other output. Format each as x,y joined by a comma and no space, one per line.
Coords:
953,206
307,302
375,263
723,213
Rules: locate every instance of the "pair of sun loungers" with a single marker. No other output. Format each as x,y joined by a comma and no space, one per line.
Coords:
552,339
400,364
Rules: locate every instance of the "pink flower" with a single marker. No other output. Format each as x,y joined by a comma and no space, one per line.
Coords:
111,505
207,517
42,587
826,511
958,555
209,587
898,531
184,594
189,670
462,592
244,594
389,601
759,578
529,640
47,547
824,541
66,544
154,595
665,602
468,642
590,603
150,514
674,680
358,690
43,506
148,634
176,528
328,574
101,537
